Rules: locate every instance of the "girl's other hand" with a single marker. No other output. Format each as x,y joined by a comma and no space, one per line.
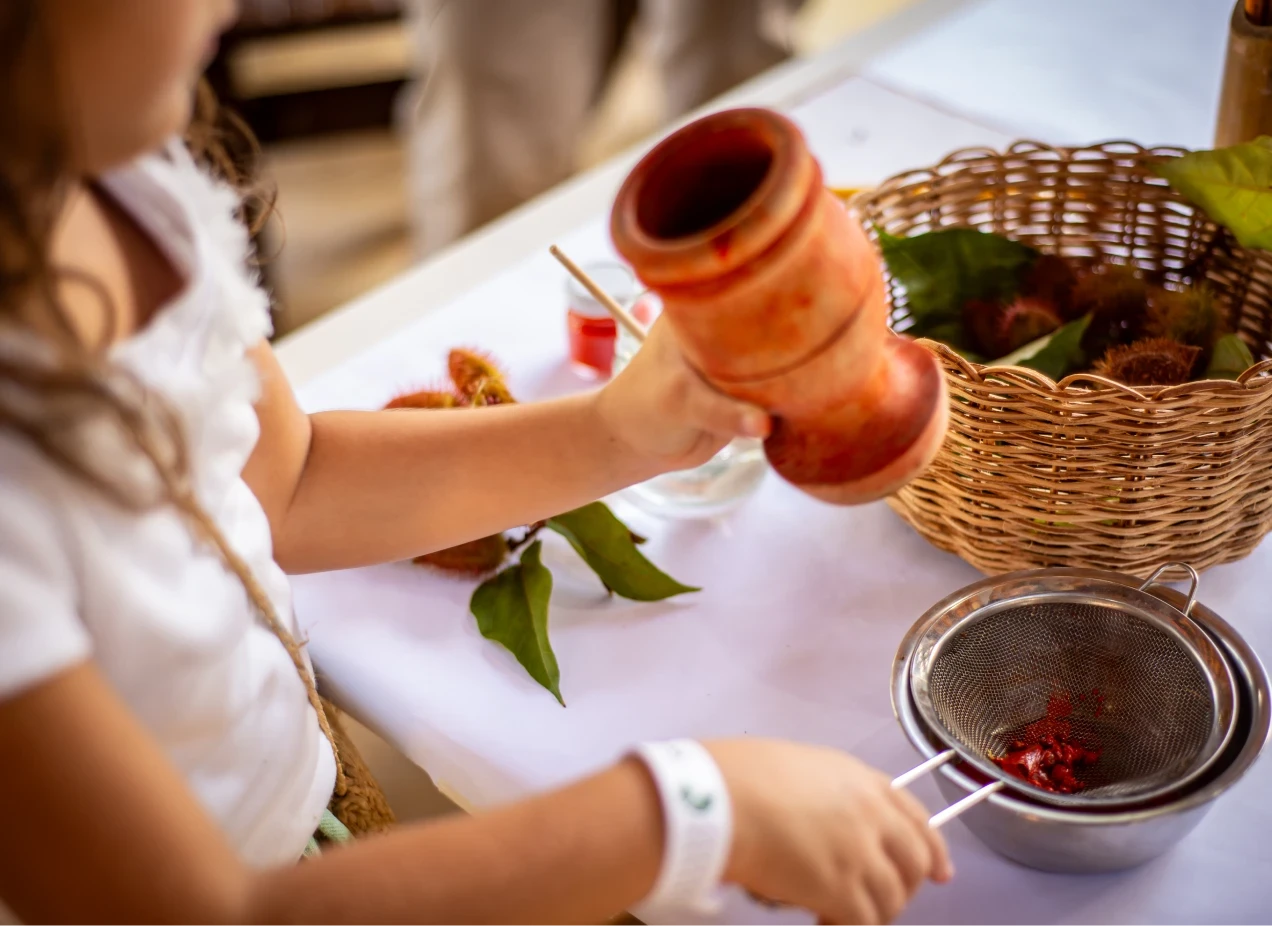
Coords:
817,829
666,414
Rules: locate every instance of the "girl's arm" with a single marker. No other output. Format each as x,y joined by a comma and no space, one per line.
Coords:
99,827
353,488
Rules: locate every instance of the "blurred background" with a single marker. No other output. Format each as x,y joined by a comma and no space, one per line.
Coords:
392,127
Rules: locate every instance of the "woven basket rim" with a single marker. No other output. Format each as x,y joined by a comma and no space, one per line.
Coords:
1091,385
1124,146
1086,386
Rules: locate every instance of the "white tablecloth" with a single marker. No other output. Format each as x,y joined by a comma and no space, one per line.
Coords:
1073,72
801,610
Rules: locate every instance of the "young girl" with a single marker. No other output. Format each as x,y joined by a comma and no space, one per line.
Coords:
165,754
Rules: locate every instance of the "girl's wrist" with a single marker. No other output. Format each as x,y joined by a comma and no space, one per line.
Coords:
623,457
697,816
740,849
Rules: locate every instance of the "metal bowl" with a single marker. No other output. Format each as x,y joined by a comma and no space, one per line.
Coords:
990,662
1064,840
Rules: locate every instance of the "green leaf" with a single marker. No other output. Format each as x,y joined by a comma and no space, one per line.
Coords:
1229,359
512,609
942,270
606,545
1062,353
1233,185
1023,353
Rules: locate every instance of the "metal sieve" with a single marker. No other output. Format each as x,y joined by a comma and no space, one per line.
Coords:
1139,681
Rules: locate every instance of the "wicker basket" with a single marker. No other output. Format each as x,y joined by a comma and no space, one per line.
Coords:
1088,472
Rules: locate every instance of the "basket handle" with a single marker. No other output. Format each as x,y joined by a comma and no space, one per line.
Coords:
1192,591
937,820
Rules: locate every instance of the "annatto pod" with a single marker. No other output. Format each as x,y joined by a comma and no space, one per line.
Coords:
777,297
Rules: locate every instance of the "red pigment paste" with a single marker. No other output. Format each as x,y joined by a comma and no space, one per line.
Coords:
1097,699
1046,755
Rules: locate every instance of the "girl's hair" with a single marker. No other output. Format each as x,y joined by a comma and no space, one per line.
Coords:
54,386
48,394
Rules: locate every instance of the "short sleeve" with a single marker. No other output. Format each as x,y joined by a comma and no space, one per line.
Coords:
40,629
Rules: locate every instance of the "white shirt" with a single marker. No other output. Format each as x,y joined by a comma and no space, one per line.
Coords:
165,622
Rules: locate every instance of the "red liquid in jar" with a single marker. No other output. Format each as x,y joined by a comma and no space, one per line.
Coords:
592,339
592,342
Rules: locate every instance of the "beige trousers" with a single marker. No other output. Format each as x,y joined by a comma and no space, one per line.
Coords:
506,87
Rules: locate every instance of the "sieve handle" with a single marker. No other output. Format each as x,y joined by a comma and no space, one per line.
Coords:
1192,591
959,807
937,820
906,779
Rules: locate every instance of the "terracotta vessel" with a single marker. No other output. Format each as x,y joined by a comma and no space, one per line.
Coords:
777,297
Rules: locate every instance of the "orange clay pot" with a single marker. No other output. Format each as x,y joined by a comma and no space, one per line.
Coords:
777,297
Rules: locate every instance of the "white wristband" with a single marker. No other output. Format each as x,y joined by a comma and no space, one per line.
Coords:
698,818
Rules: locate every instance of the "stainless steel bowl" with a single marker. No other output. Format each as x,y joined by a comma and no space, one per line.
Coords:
1056,839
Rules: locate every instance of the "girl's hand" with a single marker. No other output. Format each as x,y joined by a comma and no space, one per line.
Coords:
666,414
817,829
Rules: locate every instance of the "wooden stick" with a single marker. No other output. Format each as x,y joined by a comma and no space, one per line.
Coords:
621,315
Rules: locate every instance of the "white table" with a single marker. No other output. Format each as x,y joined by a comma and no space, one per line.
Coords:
803,604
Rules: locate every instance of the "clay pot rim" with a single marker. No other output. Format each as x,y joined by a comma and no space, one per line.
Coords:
791,163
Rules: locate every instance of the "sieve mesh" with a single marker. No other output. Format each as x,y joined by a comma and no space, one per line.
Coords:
1153,716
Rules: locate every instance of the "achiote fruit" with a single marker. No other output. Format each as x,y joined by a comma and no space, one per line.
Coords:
426,398
478,379
475,558
1190,317
1052,280
1026,319
1117,299
1149,362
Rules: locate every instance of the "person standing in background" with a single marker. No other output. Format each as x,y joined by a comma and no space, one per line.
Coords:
506,87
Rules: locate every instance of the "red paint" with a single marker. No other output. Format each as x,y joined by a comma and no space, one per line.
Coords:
1047,756
1059,710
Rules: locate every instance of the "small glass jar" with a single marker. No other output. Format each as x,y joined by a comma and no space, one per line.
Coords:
592,331
708,491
